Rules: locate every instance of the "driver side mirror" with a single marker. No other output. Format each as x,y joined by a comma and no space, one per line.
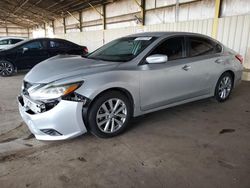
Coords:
157,58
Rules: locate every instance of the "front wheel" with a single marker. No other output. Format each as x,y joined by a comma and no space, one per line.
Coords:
224,87
109,115
6,68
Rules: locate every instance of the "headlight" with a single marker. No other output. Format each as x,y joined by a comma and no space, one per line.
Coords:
49,92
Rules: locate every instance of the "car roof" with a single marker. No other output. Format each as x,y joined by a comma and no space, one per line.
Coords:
46,38
4,38
172,33
165,33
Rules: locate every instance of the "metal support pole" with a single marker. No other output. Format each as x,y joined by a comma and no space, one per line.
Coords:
6,26
177,11
45,32
143,5
64,25
216,18
53,27
80,21
104,16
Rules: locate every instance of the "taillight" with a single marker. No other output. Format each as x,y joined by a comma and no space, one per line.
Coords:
85,50
240,58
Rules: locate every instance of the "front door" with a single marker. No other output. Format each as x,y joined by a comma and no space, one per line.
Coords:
30,54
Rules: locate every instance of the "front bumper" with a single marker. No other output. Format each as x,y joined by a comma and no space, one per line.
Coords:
65,118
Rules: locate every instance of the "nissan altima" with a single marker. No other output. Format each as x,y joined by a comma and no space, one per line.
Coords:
67,95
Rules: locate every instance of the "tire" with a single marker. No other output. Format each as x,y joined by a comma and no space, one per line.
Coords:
224,87
6,68
109,114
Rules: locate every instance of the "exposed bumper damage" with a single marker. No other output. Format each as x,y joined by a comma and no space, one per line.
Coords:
62,121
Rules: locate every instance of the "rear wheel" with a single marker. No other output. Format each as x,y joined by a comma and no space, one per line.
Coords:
224,87
109,115
6,68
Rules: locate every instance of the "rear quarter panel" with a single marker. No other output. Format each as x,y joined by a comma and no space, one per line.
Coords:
230,63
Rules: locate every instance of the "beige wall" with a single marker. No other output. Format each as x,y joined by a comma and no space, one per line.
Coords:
10,29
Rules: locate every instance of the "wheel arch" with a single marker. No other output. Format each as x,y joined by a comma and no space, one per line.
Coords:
123,91
226,71
119,89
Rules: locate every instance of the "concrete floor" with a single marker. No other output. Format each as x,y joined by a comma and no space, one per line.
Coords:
177,147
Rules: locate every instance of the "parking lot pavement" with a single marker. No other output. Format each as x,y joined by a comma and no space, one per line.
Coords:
9,116
201,144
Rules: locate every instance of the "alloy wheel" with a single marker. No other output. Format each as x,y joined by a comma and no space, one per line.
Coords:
225,87
6,69
111,115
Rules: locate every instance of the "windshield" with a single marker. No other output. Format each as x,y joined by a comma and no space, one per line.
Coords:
123,49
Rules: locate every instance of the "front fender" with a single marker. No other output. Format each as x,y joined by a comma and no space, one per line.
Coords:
127,80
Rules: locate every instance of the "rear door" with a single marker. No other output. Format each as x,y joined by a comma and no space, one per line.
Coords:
31,53
204,56
56,47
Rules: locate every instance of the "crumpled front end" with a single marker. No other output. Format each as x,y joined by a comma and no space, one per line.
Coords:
53,120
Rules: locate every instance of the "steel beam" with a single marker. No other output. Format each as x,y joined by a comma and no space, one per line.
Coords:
177,11
104,16
7,32
142,6
64,25
53,26
80,21
143,11
216,18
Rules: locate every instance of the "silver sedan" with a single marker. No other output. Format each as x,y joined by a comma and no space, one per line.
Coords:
66,96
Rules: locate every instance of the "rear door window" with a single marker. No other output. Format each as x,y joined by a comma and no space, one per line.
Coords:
33,45
14,41
56,44
201,46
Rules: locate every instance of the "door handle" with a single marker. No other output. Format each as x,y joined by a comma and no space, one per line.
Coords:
219,61
186,67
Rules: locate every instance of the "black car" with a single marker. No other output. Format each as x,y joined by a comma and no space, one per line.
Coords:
26,54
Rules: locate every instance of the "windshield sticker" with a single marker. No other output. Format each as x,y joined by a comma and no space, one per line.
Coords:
143,38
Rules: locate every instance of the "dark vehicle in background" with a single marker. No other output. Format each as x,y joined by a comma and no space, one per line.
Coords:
26,54
7,42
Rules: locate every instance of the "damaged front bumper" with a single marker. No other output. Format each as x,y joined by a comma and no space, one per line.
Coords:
62,121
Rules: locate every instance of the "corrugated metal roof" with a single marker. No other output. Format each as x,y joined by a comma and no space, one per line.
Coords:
29,13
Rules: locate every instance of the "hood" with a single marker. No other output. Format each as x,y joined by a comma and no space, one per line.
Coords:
64,66
2,49
5,50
